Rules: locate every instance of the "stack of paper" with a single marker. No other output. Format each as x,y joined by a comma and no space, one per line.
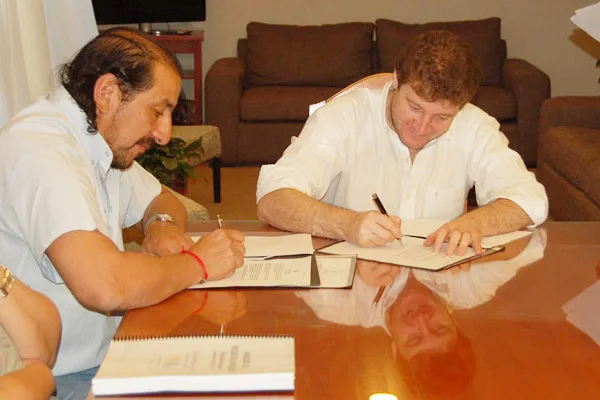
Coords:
201,364
287,261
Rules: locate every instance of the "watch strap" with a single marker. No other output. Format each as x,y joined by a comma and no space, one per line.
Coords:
6,282
158,217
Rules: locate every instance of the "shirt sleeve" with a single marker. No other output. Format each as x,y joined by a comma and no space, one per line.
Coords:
313,159
499,172
138,189
52,193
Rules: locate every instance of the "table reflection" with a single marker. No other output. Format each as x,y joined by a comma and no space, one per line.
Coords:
495,328
416,311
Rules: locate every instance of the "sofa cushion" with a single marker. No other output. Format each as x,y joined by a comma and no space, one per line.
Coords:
281,103
325,55
574,153
483,35
497,101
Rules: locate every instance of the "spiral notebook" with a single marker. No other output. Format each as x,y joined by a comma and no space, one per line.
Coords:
198,364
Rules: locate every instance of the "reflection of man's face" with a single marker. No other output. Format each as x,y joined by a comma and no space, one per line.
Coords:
419,321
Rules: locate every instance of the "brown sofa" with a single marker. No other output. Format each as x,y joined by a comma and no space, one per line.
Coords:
569,155
260,98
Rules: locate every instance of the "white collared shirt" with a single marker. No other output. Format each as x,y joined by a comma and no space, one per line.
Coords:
347,151
55,178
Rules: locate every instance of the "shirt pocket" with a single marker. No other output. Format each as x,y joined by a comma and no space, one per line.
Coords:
444,203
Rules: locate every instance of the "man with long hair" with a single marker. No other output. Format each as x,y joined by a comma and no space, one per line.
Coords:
70,183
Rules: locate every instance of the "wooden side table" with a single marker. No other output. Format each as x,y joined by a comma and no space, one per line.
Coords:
188,43
211,145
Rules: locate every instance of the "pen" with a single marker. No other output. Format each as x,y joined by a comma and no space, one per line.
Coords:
378,295
381,209
220,221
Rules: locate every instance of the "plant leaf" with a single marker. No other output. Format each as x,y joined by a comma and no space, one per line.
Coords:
169,163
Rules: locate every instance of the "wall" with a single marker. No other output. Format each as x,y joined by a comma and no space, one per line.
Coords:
539,31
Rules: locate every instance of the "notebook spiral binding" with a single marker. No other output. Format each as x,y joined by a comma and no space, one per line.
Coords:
130,338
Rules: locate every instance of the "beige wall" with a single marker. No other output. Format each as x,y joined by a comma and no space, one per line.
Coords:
539,31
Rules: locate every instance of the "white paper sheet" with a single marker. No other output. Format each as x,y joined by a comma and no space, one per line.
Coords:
423,227
334,272
271,246
588,19
411,253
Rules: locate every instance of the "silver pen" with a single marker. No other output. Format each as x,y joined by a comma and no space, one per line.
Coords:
220,221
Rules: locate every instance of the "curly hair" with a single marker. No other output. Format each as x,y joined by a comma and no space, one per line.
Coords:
127,54
438,65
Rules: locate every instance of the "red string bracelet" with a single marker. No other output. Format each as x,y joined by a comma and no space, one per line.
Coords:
199,262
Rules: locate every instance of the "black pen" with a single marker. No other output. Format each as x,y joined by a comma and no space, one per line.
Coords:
378,295
381,209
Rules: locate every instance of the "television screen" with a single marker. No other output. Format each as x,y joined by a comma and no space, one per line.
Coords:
148,11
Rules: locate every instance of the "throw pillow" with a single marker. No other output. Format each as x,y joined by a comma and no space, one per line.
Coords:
326,55
483,35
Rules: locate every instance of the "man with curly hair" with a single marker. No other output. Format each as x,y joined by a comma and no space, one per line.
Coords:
419,144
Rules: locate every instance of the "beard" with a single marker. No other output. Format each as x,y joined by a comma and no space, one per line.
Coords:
123,158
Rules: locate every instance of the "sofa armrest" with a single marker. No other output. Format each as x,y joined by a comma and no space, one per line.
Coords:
223,92
531,86
581,111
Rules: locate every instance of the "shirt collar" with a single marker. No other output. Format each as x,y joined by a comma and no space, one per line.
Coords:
98,150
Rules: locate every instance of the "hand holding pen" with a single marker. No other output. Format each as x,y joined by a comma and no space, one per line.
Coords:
382,210
372,228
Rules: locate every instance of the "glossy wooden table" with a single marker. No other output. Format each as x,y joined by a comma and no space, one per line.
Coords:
514,344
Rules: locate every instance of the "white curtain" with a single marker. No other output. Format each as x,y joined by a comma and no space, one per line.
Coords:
36,37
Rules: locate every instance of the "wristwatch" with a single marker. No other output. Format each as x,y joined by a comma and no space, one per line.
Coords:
158,217
6,281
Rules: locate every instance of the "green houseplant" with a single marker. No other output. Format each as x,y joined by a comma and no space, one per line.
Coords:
173,163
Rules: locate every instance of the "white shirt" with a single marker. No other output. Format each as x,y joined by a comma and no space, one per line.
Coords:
347,151
56,178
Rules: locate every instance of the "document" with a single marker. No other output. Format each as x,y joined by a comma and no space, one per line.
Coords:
411,253
273,246
200,364
322,271
587,18
423,227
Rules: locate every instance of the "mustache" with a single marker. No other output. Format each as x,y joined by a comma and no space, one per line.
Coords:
147,143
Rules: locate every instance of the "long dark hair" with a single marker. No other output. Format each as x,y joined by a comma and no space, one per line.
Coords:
126,53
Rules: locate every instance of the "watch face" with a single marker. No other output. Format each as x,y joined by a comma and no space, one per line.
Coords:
158,217
164,218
